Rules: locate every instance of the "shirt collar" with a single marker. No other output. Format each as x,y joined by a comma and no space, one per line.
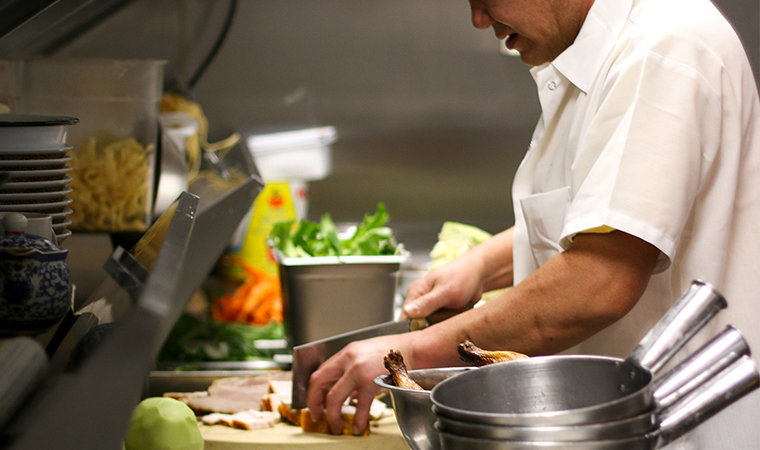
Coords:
580,62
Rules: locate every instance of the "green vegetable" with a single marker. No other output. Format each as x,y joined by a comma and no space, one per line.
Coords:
306,239
195,340
454,240
162,423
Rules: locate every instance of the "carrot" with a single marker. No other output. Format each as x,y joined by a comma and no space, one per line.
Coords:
257,301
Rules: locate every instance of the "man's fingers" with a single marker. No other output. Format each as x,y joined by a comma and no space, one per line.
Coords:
334,402
422,306
361,418
320,383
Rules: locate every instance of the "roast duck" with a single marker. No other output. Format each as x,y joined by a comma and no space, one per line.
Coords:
468,352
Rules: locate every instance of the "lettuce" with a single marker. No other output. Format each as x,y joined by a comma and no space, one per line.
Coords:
307,239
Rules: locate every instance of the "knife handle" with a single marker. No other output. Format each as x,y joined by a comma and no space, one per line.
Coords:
436,317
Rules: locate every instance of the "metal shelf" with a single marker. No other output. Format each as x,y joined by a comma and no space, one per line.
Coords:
88,405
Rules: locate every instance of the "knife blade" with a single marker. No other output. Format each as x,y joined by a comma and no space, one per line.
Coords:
308,357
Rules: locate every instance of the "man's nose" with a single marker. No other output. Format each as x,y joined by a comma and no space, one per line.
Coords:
481,19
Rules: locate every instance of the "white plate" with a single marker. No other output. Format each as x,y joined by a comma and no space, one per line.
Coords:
63,235
47,151
36,207
6,196
33,164
16,185
58,227
46,173
61,215
30,131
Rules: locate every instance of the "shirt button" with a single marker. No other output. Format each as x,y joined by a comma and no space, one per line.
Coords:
552,85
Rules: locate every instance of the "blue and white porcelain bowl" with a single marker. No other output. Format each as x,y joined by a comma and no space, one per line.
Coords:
35,281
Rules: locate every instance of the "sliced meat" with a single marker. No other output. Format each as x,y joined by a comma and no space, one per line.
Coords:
212,404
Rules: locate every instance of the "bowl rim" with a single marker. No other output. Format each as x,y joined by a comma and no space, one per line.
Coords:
33,120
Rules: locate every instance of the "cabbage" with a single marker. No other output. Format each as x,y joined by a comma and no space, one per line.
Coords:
454,240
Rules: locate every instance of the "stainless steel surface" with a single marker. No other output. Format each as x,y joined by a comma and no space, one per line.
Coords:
162,381
412,408
731,384
326,299
48,25
712,358
127,271
690,313
629,427
720,352
173,176
308,357
13,14
575,389
126,355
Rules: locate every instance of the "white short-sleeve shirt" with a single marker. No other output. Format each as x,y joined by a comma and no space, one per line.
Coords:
651,125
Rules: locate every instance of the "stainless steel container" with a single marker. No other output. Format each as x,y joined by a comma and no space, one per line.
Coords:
413,409
326,296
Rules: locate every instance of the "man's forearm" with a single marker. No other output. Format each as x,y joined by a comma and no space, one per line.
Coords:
573,296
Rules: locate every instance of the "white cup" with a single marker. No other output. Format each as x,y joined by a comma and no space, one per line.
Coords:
37,224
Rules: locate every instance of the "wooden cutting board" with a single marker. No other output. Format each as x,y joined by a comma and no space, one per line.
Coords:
385,436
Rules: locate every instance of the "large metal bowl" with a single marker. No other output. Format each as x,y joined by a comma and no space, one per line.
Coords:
413,408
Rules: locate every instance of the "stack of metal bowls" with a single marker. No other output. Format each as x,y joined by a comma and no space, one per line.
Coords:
33,161
599,403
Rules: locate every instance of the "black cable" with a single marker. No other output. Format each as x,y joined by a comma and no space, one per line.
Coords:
215,49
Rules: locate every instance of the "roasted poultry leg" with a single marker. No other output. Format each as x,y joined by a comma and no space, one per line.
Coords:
471,354
394,362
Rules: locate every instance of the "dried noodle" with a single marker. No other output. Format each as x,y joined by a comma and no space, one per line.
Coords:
110,186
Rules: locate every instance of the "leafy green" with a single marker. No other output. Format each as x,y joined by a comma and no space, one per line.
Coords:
305,239
195,340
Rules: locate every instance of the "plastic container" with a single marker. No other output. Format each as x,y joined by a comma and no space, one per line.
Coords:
116,102
299,155
326,296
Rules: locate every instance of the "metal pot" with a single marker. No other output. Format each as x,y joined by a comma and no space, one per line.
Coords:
712,358
576,389
730,385
413,409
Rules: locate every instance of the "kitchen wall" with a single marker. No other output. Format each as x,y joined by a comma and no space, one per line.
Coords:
432,119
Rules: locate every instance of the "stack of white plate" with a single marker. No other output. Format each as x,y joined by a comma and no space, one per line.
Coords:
34,156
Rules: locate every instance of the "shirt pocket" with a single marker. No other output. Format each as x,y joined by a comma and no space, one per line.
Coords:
544,215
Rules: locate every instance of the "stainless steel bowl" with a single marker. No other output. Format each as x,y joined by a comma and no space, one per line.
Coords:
413,409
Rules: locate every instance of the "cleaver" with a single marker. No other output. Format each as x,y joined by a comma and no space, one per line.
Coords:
308,357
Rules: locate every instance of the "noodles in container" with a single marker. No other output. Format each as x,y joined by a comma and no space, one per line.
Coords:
110,182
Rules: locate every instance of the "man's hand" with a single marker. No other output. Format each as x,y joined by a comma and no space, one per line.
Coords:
461,282
451,286
350,373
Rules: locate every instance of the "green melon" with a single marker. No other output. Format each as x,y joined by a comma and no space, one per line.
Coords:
160,423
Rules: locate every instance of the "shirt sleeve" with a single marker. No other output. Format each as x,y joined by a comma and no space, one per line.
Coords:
639,167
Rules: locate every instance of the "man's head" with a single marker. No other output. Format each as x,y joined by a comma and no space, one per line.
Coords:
538,29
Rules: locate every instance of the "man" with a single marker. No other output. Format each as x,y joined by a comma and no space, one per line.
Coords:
643,174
